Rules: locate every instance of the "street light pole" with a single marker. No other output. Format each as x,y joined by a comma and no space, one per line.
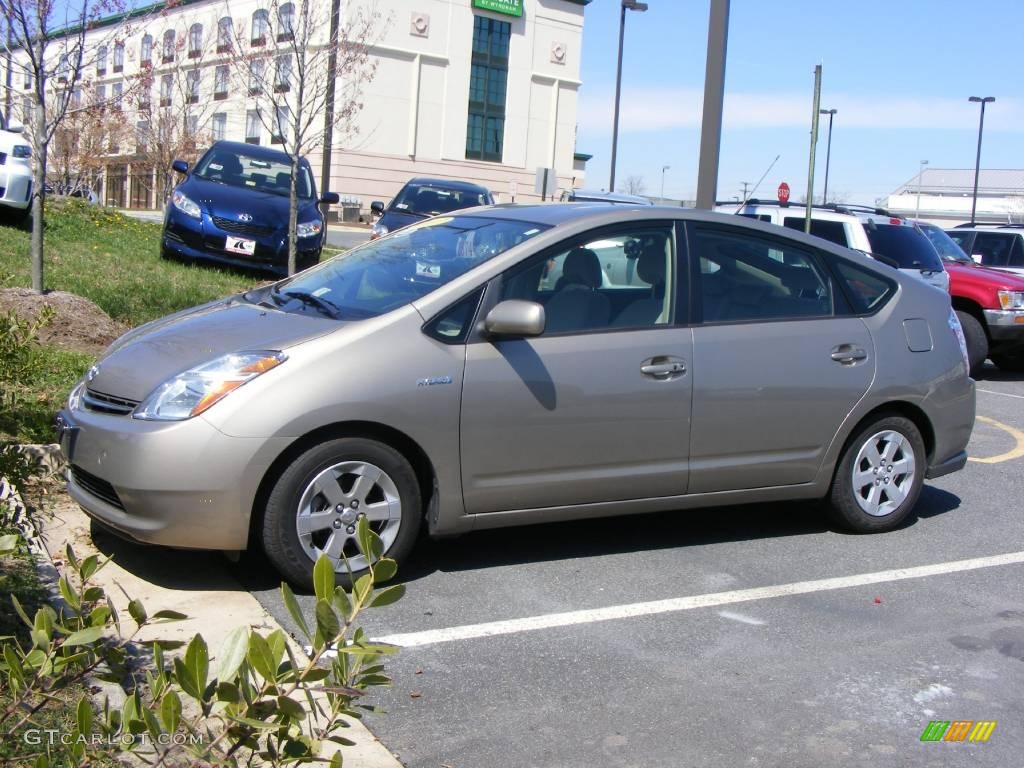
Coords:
627,5
920,173
663,169
977,161
828,152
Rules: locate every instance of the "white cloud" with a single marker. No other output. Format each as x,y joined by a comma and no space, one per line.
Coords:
645,110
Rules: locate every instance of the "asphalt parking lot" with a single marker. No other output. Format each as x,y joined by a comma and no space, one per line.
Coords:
842,656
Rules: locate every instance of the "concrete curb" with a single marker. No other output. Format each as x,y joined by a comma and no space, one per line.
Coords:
212,612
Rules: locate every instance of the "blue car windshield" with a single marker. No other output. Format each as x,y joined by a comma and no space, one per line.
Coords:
237,169
391,272
430,200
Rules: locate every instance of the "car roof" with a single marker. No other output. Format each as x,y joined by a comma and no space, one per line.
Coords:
254,150
1010,228
593,195
462,186
828,212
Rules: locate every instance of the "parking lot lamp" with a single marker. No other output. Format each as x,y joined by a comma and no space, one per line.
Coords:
627,5
828,151
920,173
977,162
663,169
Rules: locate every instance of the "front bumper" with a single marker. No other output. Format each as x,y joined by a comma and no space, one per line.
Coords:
15,185
178,484
1005,324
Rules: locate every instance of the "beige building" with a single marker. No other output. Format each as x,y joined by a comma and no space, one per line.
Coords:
478,90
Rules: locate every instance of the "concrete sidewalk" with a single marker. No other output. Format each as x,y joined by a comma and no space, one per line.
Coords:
198,584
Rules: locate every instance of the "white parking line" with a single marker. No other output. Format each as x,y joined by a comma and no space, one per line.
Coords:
570,618
1004,394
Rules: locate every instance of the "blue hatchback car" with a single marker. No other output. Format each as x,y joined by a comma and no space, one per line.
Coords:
232,207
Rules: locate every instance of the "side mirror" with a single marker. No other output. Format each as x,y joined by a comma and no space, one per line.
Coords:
377,208
515,318
14,126
330,198
179,166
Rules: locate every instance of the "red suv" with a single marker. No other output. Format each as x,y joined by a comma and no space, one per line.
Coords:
989,303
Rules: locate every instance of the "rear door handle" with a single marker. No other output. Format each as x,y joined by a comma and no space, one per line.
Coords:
847,354
663,367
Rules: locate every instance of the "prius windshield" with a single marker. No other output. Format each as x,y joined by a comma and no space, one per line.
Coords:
391,272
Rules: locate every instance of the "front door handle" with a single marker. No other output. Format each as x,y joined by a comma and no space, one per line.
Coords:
848,354
663,368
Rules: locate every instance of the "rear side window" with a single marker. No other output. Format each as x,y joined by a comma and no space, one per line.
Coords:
833,231
866,290
1017,254
903,244
994,248
963,239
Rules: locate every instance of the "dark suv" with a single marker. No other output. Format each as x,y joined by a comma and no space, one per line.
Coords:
422,198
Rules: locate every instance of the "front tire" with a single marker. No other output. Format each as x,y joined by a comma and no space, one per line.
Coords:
977,341
879,477
317,502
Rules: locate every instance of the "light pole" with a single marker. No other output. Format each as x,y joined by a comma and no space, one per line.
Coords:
920,173
977,161
627,5
663,169
828,151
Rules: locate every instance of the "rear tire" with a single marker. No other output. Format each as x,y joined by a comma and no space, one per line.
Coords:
977,341
315,505
879,477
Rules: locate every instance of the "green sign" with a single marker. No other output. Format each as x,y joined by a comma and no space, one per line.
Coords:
508,7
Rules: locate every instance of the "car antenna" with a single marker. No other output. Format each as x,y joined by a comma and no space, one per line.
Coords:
750,194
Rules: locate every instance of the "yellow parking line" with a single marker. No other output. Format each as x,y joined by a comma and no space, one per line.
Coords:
1015,453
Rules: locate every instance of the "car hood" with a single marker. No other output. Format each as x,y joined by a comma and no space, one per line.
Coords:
228,202
143,359
977,271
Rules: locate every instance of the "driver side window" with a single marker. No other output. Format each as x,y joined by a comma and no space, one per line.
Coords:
614,281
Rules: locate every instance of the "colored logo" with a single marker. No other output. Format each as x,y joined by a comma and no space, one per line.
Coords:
958,730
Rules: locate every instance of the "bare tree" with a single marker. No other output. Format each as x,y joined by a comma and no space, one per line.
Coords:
633,185
85,138
305,70
46,43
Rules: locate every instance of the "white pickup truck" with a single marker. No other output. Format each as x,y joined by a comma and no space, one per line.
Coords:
15,166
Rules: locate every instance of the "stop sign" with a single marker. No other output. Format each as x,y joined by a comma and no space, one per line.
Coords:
783,192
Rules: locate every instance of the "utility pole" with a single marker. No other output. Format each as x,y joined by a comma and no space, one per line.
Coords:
714,96
814,144
746,186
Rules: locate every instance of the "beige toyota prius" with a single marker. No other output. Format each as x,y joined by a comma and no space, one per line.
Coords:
513,365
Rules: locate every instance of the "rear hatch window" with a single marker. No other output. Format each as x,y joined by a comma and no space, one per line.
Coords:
905,245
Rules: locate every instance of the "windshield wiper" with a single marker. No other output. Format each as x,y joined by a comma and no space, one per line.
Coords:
326,307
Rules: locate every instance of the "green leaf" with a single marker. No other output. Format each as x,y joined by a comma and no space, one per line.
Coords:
228,691
388,595
343,601
369,542
21,612
185,680
70,554
293,609
323,577
261,657
291,707
384,569
114,615
336,760
260,724
137,611
86,636
89,567
93,594
277,642
167,615
232,653
327,621
315,675
84,715
197,663
68,593
170,711
13,663
362,588
100,616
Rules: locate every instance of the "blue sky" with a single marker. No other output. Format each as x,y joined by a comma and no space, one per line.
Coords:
899,73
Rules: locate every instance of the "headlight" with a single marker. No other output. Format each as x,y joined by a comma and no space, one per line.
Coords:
185,205
190,393
22,150
75,398
308,229
378,230
1011,299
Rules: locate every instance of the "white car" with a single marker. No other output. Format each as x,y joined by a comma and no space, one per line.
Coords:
890,239
15,166
1000,246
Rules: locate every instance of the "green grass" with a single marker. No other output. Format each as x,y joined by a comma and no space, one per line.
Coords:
113,260
30,405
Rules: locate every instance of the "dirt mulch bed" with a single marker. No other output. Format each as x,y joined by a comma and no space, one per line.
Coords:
78,324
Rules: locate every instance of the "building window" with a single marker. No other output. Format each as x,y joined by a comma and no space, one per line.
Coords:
252,127
141,133
488,81
27,82
166,89
281,119
257,71
192,85
118,57
195,41
27,110
116,92
225,33
101,94
220,83
192,124
146,51
63,69
219,126
101,60
169,44
260,27
283,73
286,22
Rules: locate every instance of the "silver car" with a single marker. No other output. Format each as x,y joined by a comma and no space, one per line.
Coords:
438,377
